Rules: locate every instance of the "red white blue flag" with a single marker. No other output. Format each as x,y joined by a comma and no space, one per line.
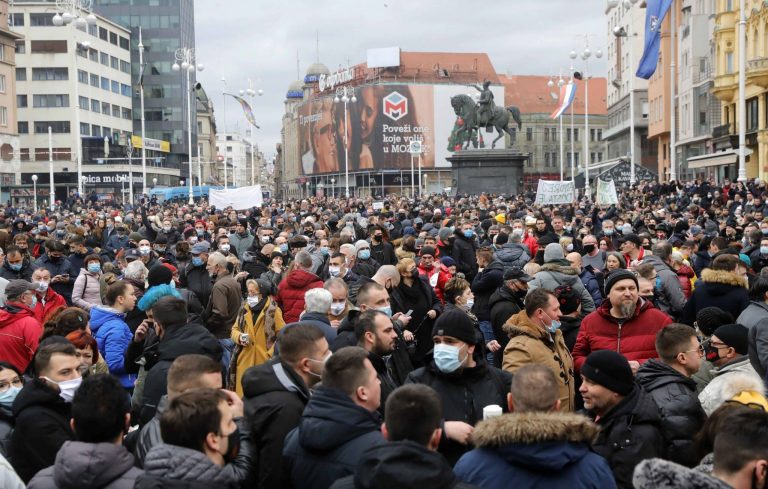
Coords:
567,94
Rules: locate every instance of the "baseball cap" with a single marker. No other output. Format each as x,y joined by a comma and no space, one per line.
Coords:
131,254
201,247
15,288
516,273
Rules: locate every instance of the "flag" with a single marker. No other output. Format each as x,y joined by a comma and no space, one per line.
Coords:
141,74
655,11
246,109
567,94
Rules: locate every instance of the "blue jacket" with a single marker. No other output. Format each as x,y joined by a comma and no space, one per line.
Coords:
590,282
113,337
535,450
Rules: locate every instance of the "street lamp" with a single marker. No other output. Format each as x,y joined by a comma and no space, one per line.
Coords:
333,187
154,184
622,32
181,182
250,92
345,94
78,14
585,55
556,96
34,191
129,154
186,56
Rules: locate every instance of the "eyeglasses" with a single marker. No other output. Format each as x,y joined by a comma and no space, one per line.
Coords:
700,350
16,382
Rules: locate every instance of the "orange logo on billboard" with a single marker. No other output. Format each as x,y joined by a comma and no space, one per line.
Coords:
395,106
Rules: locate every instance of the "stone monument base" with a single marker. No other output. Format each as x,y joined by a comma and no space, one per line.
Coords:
493,171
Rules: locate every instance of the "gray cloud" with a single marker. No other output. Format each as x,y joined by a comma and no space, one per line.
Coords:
241,39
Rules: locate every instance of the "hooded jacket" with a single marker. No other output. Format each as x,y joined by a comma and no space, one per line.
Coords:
464,255
730,379
554,274
42,427
290,293
656,473
274,398
681,413
331,437
635,338
19,335
513,255
198,280
88,466
172,467
483,286
753,314
530,344
717,288
113,336
672,298
404,465
629,434
535,450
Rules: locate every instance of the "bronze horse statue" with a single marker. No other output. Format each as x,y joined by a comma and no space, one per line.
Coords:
466,108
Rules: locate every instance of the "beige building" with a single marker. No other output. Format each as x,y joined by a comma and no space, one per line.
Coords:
9,140
206,140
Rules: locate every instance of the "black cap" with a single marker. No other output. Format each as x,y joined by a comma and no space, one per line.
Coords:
609,369
616,276
516,273
632,238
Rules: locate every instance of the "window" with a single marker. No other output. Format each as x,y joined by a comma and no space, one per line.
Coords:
95,106
23,127
104,59
40,20
21,101
125,66
546,139
113,38
103,34
126,113
85,129
644,107
105,83
752,115
93,30
17,20
52,101
48,46
21,74
115,110
124,43
58,127
47,74
729,62
94,80
576,134
528,134
95,130
115,87
84,103
105,108
93,55
21,47
2,84
125,90
82,76
114,62
3,116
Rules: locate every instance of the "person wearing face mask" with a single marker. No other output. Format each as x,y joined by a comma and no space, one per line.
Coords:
91,363
19,327
112,332
43,409
365,264
381,249
15,267
457,370
464,248
86,292
224,246
49,303
241,240
195,276
62,273
11,382
340,305
760,256
276,393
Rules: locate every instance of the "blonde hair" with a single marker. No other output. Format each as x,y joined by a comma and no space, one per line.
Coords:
402,265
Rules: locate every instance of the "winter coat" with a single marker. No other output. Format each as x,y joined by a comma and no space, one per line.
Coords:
198,280
635,338
50,305
570,327
240,244
172,467
6,429
274,398
701,260
322,322
672,298
730,379
259,348
656,473
685,276
552,275
758,346
590,282
404,465
513,255
113,336
366,268
483,286
535,449
8,477
254,263
504,303
62,266
530,344
19,335
42,427
464,254
717,288
25,273
629,434
384,253
223,305
681,413
290,293
753,314
437,276
329,441
115,243
181,340
88,466
86,293
464,393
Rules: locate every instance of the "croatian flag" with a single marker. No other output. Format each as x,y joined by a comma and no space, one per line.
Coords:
655,11
567,94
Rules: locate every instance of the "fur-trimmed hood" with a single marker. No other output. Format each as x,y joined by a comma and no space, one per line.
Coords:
559,268
723,277
534,427
656,473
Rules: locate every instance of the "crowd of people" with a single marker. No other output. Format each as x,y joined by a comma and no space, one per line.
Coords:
446,342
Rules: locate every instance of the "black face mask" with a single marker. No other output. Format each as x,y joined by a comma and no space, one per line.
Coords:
711,353
589,248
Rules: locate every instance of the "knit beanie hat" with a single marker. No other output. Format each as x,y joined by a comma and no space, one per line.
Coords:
569,299
159,275
427,250
448,261
617,275
457,324
553,252
134,236
609,369
734,335
711,318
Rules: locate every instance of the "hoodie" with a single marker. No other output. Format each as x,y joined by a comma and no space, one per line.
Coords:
554,274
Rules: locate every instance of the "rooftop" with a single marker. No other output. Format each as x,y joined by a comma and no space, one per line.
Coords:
531,94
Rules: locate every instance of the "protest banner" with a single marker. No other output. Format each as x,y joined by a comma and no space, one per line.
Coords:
240,198
555,192
606,193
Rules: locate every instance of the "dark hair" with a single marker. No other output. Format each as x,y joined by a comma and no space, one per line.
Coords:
8,366
704,440
12,249
99,408
298,341
365,323
725,263
44,354
534,388
186,370
65,321
662,249
742,438
413,412
720,242
759,289
345,370
409,244
365,291
672,340
454,288
537,299
54,245
76,239
90,258
169,311
485,253
191,416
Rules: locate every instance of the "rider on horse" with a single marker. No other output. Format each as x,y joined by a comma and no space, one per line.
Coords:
485,105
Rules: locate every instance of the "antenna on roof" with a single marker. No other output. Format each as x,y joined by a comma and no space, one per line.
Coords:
317,44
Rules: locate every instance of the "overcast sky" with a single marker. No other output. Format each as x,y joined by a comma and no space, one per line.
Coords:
241,39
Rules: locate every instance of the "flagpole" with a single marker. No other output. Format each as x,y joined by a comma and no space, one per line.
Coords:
742,92
672,76
143,129
573,148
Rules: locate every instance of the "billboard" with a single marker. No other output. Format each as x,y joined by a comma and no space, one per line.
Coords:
380,126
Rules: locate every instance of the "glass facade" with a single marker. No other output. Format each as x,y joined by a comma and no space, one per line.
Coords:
166,26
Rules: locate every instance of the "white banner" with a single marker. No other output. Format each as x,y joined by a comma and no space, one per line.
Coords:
555,192
240,198
606,193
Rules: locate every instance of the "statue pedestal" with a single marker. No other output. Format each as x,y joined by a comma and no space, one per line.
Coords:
493,171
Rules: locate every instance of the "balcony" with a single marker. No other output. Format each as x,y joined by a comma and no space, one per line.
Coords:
757,71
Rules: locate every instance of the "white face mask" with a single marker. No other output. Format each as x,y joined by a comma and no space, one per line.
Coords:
224,247
67,388
253,300
334,271
42,286
144,250
338,307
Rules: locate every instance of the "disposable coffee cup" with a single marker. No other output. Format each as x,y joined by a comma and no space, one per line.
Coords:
491,411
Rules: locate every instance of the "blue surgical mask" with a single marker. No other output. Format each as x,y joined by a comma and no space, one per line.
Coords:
469,233
447,358
608,232
15,266
34,302
284,248
7,397
324,251
764,250
94,267
554,326
197,261
386,310
364,254
764,231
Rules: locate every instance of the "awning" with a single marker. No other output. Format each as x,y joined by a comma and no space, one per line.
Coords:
727,157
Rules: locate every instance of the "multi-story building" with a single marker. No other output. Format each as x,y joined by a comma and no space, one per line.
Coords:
236,150
9,140
206,140
540,134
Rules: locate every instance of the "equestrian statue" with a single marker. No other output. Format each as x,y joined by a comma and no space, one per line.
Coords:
484,113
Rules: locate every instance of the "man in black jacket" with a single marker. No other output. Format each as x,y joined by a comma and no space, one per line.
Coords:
668,381
381,250
196,277
376,334
276,392
464,247
489,278
505,302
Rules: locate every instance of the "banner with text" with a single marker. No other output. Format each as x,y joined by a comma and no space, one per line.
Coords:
555,192
240,198
606,193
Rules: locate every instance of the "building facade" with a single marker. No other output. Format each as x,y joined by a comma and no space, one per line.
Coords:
236,151
206,141
9,139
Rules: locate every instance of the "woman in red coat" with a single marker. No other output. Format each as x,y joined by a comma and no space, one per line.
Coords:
48,301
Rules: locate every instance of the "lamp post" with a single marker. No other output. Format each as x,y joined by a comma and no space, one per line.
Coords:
185,61
742,46
251,93
50,169
78,14
333,188
585,55
143,129
129,154
34,192
551,84
622,32
224,124
345,94
573,56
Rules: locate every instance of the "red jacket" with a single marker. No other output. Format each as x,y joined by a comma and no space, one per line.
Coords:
685,274
530,241
635,339
19,335
53,302
437,276
290,293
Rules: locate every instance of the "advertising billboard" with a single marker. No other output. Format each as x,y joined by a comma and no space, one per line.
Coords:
381,125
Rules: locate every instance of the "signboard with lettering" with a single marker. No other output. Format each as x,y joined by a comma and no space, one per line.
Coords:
606,192
152,144
112,178
554,192
329,82
620,174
